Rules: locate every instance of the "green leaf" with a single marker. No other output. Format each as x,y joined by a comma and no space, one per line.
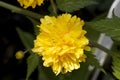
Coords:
116,66
109,26
32,64
73,5
26,38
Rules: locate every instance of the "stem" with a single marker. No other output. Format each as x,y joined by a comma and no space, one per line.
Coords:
53,6
20,10
28,50
109,52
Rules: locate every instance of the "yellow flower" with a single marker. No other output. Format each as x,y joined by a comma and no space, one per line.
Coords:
28,3
61,42
19,55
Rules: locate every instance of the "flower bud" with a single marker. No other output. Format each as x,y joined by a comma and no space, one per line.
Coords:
19,54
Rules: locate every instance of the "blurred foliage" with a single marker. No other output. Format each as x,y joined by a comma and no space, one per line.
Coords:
73,5
108,26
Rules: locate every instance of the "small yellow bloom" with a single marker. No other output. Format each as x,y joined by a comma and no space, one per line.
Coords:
28,3
61,42
19,55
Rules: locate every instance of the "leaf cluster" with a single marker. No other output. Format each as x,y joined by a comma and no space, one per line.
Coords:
110,27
